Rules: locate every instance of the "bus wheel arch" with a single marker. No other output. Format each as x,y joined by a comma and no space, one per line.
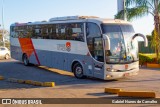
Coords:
77,69
25,59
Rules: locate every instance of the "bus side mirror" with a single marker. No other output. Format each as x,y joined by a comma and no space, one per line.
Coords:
107,42
144,37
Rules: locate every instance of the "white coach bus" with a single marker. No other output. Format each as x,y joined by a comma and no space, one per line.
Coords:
85,45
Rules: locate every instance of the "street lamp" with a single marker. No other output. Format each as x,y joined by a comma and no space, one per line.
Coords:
3,23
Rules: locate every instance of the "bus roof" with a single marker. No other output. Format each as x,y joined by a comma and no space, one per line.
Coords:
75,19
115,21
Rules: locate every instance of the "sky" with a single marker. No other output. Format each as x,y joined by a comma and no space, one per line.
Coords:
38,10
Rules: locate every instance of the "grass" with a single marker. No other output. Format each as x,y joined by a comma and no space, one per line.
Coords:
150,55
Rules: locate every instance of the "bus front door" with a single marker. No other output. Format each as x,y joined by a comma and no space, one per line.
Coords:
98,58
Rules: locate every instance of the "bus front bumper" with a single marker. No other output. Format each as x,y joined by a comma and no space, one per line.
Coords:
118,75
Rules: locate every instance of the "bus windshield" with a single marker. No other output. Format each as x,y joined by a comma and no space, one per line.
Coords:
123,49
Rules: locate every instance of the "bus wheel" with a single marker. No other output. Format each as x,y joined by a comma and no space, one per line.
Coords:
25,60
78,71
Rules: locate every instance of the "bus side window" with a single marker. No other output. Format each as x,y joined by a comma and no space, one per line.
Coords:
62,31
69,32
53,34
94,41
12,33
78,32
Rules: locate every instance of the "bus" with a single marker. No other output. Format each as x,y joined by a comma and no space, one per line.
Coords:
88,46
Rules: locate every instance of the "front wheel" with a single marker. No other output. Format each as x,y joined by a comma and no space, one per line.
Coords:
25,60
78,71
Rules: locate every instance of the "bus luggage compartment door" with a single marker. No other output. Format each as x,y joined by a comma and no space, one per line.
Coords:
98,69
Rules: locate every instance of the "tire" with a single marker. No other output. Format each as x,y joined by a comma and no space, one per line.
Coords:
25,60
7,56
78,71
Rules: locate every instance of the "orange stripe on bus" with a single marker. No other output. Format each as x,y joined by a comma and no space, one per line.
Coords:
28,48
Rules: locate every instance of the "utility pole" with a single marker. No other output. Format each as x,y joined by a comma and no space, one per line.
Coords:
125,10
122,6
3,23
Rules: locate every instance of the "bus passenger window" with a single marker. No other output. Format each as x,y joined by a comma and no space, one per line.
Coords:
77,32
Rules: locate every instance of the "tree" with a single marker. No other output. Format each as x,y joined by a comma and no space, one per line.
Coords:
140,8
6,33
149,37
154,42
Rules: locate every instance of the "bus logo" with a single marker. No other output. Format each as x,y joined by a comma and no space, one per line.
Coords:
64,47
68,46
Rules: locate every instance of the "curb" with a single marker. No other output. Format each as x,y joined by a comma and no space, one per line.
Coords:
20,81
48,84
112,90
153,65
36,83
12,80
30,82
140,94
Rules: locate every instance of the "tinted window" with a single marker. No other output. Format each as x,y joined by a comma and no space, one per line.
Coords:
74,31
3,49
94,41
71,31
117,28
127,28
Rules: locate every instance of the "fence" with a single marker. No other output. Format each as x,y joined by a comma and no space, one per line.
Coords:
143,49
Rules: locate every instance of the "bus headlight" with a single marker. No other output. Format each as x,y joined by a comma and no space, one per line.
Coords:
111,70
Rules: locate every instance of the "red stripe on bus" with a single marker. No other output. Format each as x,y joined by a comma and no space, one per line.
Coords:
35,53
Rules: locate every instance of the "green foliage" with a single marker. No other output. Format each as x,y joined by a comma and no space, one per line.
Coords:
0,37
7,44
147,58
132,13
149,37
154,41
138,9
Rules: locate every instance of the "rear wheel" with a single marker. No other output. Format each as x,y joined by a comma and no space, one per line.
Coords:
25,60
78,71
7,56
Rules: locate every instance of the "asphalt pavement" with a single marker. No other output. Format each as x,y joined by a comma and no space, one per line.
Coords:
67,86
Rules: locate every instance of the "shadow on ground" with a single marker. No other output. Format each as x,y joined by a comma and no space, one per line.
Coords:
15,69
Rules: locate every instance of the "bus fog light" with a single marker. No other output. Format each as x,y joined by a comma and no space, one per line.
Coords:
108,76
108,69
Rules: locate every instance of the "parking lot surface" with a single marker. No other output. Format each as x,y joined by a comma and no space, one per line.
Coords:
67,86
